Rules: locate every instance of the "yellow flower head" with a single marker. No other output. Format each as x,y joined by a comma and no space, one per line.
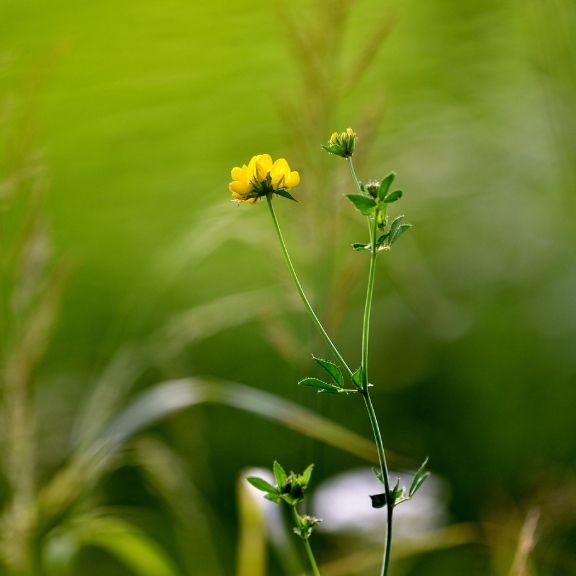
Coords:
262,177
342,144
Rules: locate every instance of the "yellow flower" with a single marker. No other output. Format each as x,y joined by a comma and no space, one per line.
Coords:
261,177
342,144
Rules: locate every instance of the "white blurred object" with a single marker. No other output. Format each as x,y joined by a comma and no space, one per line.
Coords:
343,502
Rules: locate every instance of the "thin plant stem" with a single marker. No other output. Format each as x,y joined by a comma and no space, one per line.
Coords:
373,230
307,547
300,290
385,478
311,558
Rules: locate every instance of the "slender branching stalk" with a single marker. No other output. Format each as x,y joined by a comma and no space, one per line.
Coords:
373,228
263,177
365,355
301,292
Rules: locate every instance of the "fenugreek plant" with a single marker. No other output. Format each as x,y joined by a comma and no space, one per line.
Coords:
263,178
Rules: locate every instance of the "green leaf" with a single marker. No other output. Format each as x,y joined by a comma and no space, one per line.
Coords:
273,498
393,196
382,239
320,384
332,369
279,475
378,500
397,492
365,204
419,478
378,475
385,185
307,474
358,377
398,232
262,485
360,247
285,194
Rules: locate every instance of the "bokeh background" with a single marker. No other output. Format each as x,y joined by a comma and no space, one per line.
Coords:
125,266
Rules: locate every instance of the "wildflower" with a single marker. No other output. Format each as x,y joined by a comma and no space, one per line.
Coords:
342,144
261,177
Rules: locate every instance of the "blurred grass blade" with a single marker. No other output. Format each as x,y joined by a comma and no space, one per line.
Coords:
128,544
177,395
167,474
252,538
87,466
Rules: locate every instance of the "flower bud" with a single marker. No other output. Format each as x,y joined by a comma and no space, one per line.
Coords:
372,187
342,144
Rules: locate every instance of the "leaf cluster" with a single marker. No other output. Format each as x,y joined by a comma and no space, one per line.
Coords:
336,386
373,203
289,488
399,494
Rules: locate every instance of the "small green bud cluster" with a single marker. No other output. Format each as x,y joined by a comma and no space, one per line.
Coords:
290,489
342,144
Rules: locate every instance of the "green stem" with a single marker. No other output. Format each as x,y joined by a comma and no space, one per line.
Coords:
353,172
300,290
373,231
385,478
368,303
307,546
311,558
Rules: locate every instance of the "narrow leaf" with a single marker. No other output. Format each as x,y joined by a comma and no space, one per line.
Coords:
398,232
395,224
285,194
365,204
306,475
393,196
279,475
378,475
419,478
381,239
360,247
332,369
320,384
262,485
358,377
385,185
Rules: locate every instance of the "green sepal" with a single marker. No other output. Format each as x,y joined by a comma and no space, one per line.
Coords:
393,196
285,194
332,369
338,150
360,247
364,204
320,384
419,478
385,185
358,377
262,485
280,475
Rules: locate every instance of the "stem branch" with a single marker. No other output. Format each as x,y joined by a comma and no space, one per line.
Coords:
307,546
300,290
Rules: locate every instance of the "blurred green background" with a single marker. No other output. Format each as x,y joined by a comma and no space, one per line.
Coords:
124,264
